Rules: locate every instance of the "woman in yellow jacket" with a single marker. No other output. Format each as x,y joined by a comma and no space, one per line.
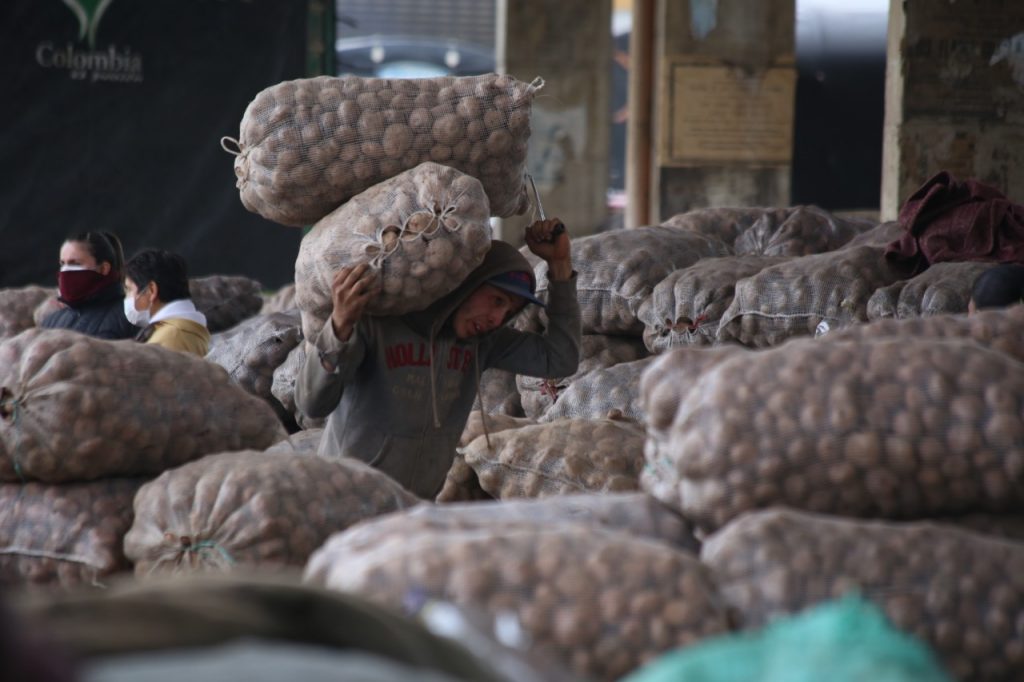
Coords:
157,299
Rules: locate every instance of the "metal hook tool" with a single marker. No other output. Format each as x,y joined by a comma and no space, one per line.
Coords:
560,227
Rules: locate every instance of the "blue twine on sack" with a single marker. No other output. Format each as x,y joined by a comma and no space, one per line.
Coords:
206,545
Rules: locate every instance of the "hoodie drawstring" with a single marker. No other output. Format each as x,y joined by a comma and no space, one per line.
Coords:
480,395
433,380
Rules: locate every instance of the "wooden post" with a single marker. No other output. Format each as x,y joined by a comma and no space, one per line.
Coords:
638,126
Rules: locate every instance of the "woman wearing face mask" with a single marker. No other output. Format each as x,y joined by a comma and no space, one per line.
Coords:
157,299
89,284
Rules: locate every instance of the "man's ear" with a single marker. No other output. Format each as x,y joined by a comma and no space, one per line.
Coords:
104,268
154,290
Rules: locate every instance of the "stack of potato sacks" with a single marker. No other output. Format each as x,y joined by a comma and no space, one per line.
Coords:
83,423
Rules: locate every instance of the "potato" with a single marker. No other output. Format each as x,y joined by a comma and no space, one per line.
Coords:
76,408
596,352
562,457
946,586
587,597
894,428
686,307
252,508
294,134
364,230
67,535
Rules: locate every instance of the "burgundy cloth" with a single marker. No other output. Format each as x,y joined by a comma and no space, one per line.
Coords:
76,286
948,220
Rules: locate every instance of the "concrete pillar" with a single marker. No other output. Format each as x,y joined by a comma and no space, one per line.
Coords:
568,44
954,96
725,79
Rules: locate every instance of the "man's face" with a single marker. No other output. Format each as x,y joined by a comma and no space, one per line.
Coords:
485,310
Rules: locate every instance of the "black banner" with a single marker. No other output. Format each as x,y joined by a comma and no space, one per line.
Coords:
111,119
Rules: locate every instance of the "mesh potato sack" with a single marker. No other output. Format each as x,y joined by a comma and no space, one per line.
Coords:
662,387
603,392
461,483
722,224
793,298
617,270
942,288
48,306
76,408
953,589
597,351
423,231
896,428
882,235
602,602
252,508
17,306
1005,526
686,307
499,394
797,231
283,387
1001,329
308,145
638,514
305,442
252,350
281,301
226,300
559,458
66,535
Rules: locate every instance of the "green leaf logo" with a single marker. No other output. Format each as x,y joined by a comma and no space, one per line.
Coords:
89,13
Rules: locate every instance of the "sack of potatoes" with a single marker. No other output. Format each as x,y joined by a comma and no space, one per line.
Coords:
613,391
686,307
895,428
307,146
17,306
47,307
423,231
881,235
951,588
1001,329
280,301
558,458
798,231
601,602
942,288
283,387
499,394
253,509
77,408
597,351
226,300
638,514
794,297
67,535
617,270
721,224
305,442
461,483
253,350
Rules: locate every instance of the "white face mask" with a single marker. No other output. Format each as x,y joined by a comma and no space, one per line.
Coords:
140,318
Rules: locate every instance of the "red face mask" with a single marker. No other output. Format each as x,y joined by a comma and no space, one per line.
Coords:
76,286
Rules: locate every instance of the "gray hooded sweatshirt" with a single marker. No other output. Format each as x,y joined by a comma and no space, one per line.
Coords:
403,386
